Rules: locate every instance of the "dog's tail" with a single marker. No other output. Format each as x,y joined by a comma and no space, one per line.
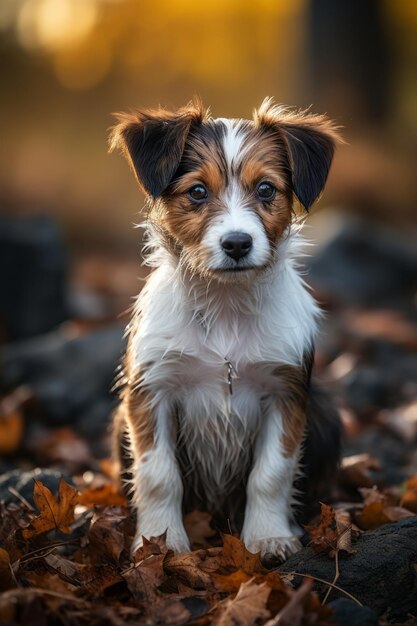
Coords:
321,452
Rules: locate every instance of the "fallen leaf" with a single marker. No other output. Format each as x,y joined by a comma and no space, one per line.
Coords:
7,580
247,608
153,545
11,432
234,555
355,470
409,499
230,583
55,513
187,567
174,611
11,418
52,582
377,510
144,578
323,535
332,533
94,579
292,613
344,531
104,495
70,571
197,526
106,536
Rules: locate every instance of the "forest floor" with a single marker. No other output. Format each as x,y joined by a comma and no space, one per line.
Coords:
66,530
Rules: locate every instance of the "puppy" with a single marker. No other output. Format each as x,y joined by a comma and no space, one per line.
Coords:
217,407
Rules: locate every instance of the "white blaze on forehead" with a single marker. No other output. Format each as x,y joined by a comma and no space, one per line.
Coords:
233,141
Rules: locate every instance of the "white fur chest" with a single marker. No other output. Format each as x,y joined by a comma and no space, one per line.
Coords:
207,354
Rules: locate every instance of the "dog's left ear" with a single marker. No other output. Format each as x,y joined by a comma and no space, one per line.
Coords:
153,141
309,141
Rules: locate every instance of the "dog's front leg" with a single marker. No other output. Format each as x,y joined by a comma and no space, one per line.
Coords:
267,527
157,483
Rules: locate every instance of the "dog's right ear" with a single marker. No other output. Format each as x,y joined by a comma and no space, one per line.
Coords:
153,142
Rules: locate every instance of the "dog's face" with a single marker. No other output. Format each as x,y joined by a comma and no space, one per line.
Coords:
221,191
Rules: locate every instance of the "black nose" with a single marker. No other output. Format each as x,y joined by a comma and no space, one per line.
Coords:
236,244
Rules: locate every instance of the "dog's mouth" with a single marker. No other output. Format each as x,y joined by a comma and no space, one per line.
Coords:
235,269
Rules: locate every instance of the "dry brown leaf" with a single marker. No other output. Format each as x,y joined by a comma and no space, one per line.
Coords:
11,419
106,536
247,608
292,613
144,578
94,579
197,526
11,432
69,571
153,545
52,582
104,495
230,583
187,568
171,611
7,579
377,510
234,556
355,470
323,535
332,533
344,531
55,513
409,499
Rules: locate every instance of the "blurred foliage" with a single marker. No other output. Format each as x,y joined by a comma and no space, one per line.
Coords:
68,63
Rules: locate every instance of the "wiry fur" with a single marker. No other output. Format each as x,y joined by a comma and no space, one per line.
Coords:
217,371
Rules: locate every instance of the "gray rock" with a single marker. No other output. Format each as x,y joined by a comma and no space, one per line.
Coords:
33,273
380,574
23,483
71,377
365,264
348,613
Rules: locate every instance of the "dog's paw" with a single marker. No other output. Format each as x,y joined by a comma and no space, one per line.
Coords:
176,540
274,548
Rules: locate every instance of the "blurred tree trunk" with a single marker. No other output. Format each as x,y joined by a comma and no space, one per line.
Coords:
348,58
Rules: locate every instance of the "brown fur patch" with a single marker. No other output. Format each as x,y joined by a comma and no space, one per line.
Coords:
293,404
309,142
153,141
139,419
134,409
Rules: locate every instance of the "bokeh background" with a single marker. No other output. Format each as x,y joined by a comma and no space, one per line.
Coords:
70,257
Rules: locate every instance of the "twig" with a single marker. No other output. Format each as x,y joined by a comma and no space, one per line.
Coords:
336,576
19,496
324,582
30,556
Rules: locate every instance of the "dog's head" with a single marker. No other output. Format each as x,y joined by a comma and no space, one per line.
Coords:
221,190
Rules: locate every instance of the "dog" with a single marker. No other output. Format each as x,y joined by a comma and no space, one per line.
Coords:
217,406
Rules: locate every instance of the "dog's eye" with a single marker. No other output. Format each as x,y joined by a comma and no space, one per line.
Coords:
266,191
198,193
